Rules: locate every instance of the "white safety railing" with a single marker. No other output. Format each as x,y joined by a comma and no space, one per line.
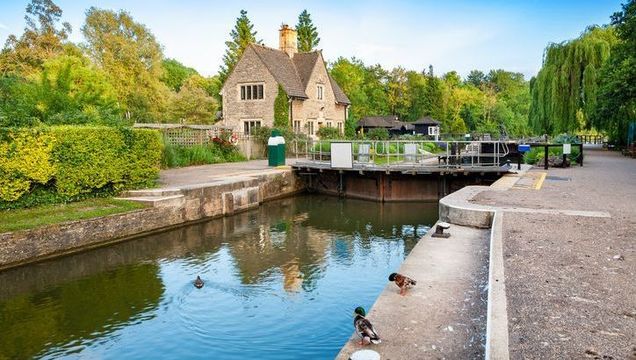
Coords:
406,153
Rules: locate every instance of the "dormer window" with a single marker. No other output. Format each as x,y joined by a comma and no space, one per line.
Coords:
320,92
252,92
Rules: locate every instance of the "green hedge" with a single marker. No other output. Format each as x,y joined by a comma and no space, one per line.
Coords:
66,163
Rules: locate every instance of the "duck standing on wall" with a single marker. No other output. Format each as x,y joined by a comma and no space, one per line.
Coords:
364,328
198,283
403,282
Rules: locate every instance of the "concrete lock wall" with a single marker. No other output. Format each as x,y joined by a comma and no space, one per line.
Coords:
380,186
177,207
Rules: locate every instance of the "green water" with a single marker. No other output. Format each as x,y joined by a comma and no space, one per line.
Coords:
281,283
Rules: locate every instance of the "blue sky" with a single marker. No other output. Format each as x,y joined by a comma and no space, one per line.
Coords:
451,35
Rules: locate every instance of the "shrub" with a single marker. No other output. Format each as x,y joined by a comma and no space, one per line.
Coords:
328,133
378,134
25,159
537,154
68,163
214,153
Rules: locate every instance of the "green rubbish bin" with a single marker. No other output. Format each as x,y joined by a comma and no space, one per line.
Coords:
281,151
276,149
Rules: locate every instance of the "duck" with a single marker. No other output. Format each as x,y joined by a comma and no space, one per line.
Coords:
198,283
403,282
364,328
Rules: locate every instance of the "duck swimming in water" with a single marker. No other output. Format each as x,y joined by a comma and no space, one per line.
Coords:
364,328
403,282
198,283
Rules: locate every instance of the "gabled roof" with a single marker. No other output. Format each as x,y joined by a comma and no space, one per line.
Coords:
427,120
282,69
294,74
304,63
341,97
387,121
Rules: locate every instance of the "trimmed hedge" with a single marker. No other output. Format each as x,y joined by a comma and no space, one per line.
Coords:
64,163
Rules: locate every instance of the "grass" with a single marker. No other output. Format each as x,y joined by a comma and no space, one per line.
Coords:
22,219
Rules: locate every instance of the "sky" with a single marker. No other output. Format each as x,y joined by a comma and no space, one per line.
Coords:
450,35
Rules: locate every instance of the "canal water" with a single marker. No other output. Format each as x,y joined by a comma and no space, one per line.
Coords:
281,282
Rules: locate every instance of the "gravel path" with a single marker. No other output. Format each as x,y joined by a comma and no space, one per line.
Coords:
571,281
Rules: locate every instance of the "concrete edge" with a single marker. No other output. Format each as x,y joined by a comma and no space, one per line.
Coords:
456,209
497,314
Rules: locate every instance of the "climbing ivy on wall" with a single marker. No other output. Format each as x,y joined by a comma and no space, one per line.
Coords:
565,89
281,109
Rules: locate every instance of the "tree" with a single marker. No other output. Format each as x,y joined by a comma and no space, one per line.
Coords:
281,109
192,104
307,33
175,73
242,36
567,81
615,106
475,78
41,40
131,57
397,92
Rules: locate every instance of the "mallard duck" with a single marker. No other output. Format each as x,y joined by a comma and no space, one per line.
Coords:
403,282
364,328
198,283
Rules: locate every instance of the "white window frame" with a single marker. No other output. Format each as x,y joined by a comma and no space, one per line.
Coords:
297,126
320,92
251,125
243,91
340,127
310,127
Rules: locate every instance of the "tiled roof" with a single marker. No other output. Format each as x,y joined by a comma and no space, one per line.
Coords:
283,70
304,63
387,121
341,97
293,74
427,120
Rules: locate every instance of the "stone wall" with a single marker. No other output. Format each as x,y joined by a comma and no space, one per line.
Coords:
310,109
192,203
250,70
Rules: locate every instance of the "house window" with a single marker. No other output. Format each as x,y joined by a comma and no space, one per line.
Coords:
328,123
297,126
250,125
252,92
321,90
339,128
310,127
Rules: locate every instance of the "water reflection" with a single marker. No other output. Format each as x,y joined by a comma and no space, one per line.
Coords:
279,266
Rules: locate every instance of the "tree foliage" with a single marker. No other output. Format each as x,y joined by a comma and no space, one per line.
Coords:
564,91
307,33
241,36
131,57
175,73
281,109
615,106
192,104
42,39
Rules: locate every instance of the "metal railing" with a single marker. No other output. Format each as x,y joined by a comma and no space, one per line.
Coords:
406,153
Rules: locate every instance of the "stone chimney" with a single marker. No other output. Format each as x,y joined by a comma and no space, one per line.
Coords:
288,40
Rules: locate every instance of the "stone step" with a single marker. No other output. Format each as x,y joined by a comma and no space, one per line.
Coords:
158,201
152,192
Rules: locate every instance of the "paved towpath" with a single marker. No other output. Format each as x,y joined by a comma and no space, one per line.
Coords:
571,280
207,173
444,316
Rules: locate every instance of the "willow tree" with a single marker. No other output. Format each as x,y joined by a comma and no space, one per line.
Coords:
565,89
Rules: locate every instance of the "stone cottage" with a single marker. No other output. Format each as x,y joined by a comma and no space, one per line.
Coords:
314,98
